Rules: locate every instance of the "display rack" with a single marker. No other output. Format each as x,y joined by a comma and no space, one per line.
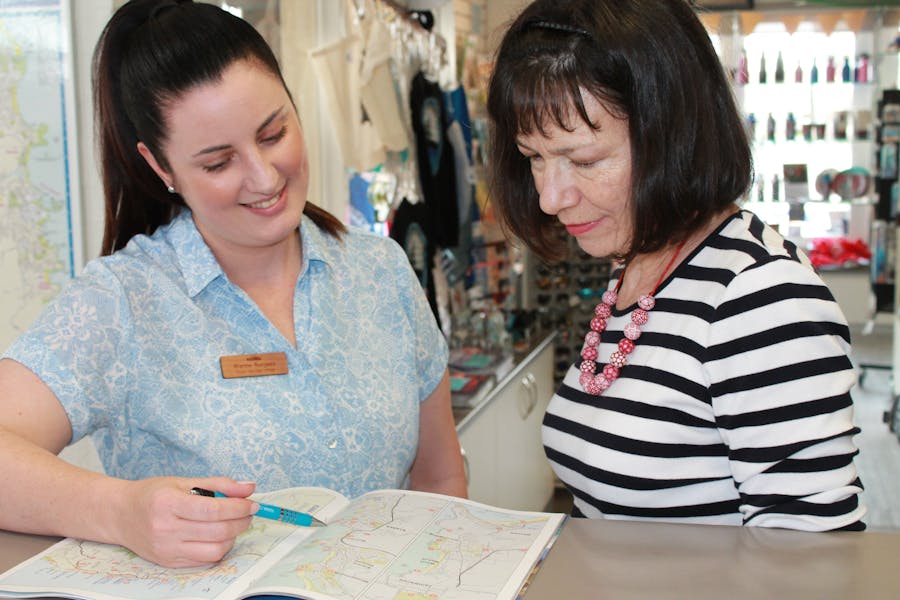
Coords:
892,415
883,235
564,295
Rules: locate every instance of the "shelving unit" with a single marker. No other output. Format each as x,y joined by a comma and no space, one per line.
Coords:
834,121
892,416
564,295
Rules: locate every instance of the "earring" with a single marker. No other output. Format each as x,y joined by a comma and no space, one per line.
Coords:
170,188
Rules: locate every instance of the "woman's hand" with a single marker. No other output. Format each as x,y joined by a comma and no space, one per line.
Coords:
158,518
161,521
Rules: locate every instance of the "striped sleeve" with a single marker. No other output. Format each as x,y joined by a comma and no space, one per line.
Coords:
781,397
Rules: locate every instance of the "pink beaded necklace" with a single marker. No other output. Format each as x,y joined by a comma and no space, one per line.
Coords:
596,383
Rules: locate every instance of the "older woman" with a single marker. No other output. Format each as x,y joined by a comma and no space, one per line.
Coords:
714,382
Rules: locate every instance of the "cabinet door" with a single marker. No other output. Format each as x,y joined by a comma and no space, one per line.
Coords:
524,477
479,447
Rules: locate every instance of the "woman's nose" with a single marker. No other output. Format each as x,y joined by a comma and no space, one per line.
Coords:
555,189
262,175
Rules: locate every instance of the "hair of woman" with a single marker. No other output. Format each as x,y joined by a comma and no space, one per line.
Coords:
648,61
150,53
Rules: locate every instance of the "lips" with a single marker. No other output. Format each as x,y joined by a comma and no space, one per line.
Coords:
268,202
265,203
581,228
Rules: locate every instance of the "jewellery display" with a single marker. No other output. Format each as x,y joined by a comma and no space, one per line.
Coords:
596,383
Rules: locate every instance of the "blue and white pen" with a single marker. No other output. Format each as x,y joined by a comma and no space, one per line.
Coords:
269,511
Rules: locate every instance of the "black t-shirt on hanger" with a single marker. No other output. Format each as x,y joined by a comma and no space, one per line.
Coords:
435,161
409,228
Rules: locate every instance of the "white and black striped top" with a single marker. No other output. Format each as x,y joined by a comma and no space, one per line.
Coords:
734,407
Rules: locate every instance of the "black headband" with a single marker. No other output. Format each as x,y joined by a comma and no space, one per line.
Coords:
544,24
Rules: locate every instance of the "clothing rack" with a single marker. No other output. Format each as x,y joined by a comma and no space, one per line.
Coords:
423,47
397,9
403,13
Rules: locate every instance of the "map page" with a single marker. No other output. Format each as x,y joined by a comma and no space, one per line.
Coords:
88,570
396,544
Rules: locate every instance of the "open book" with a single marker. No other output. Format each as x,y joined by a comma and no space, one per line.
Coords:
384,544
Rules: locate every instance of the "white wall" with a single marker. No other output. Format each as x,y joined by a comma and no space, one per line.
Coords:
88,20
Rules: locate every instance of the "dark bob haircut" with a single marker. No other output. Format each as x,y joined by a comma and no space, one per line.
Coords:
648,61
150,54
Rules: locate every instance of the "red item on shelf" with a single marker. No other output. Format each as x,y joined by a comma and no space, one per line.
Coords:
838,252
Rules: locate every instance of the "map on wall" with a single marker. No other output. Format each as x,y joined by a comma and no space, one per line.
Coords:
39,249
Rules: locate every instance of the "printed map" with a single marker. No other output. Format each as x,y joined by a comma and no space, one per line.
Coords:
392,545
384,545
36,208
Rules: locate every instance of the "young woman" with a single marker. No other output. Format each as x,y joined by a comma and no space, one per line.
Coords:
216,266
714,382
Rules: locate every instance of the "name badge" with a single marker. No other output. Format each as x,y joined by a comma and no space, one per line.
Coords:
254,365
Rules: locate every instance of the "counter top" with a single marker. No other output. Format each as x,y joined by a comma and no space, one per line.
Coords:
599,559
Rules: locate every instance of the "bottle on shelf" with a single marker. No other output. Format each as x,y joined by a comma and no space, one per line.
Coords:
790,127
770,128
760,188
798,73
830,70
846,76
751,127
840,124
862,74
742,74
779,69
762,68
776,186
814,73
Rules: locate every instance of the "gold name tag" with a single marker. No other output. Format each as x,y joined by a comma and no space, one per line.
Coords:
254,365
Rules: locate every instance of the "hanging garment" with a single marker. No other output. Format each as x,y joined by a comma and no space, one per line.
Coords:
362,213
462,160
378,90
337,66
409,227
458,109
435,160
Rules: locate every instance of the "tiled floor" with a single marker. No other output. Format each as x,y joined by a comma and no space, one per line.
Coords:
879,458
879,449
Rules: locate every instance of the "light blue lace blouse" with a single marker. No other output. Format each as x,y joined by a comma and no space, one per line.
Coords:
131,348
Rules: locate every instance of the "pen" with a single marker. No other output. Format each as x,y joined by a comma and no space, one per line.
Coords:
269,511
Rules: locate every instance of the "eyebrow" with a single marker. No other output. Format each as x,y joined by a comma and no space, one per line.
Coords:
259,129
556,151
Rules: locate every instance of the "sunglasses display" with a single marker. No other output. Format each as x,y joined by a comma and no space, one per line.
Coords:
564,295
